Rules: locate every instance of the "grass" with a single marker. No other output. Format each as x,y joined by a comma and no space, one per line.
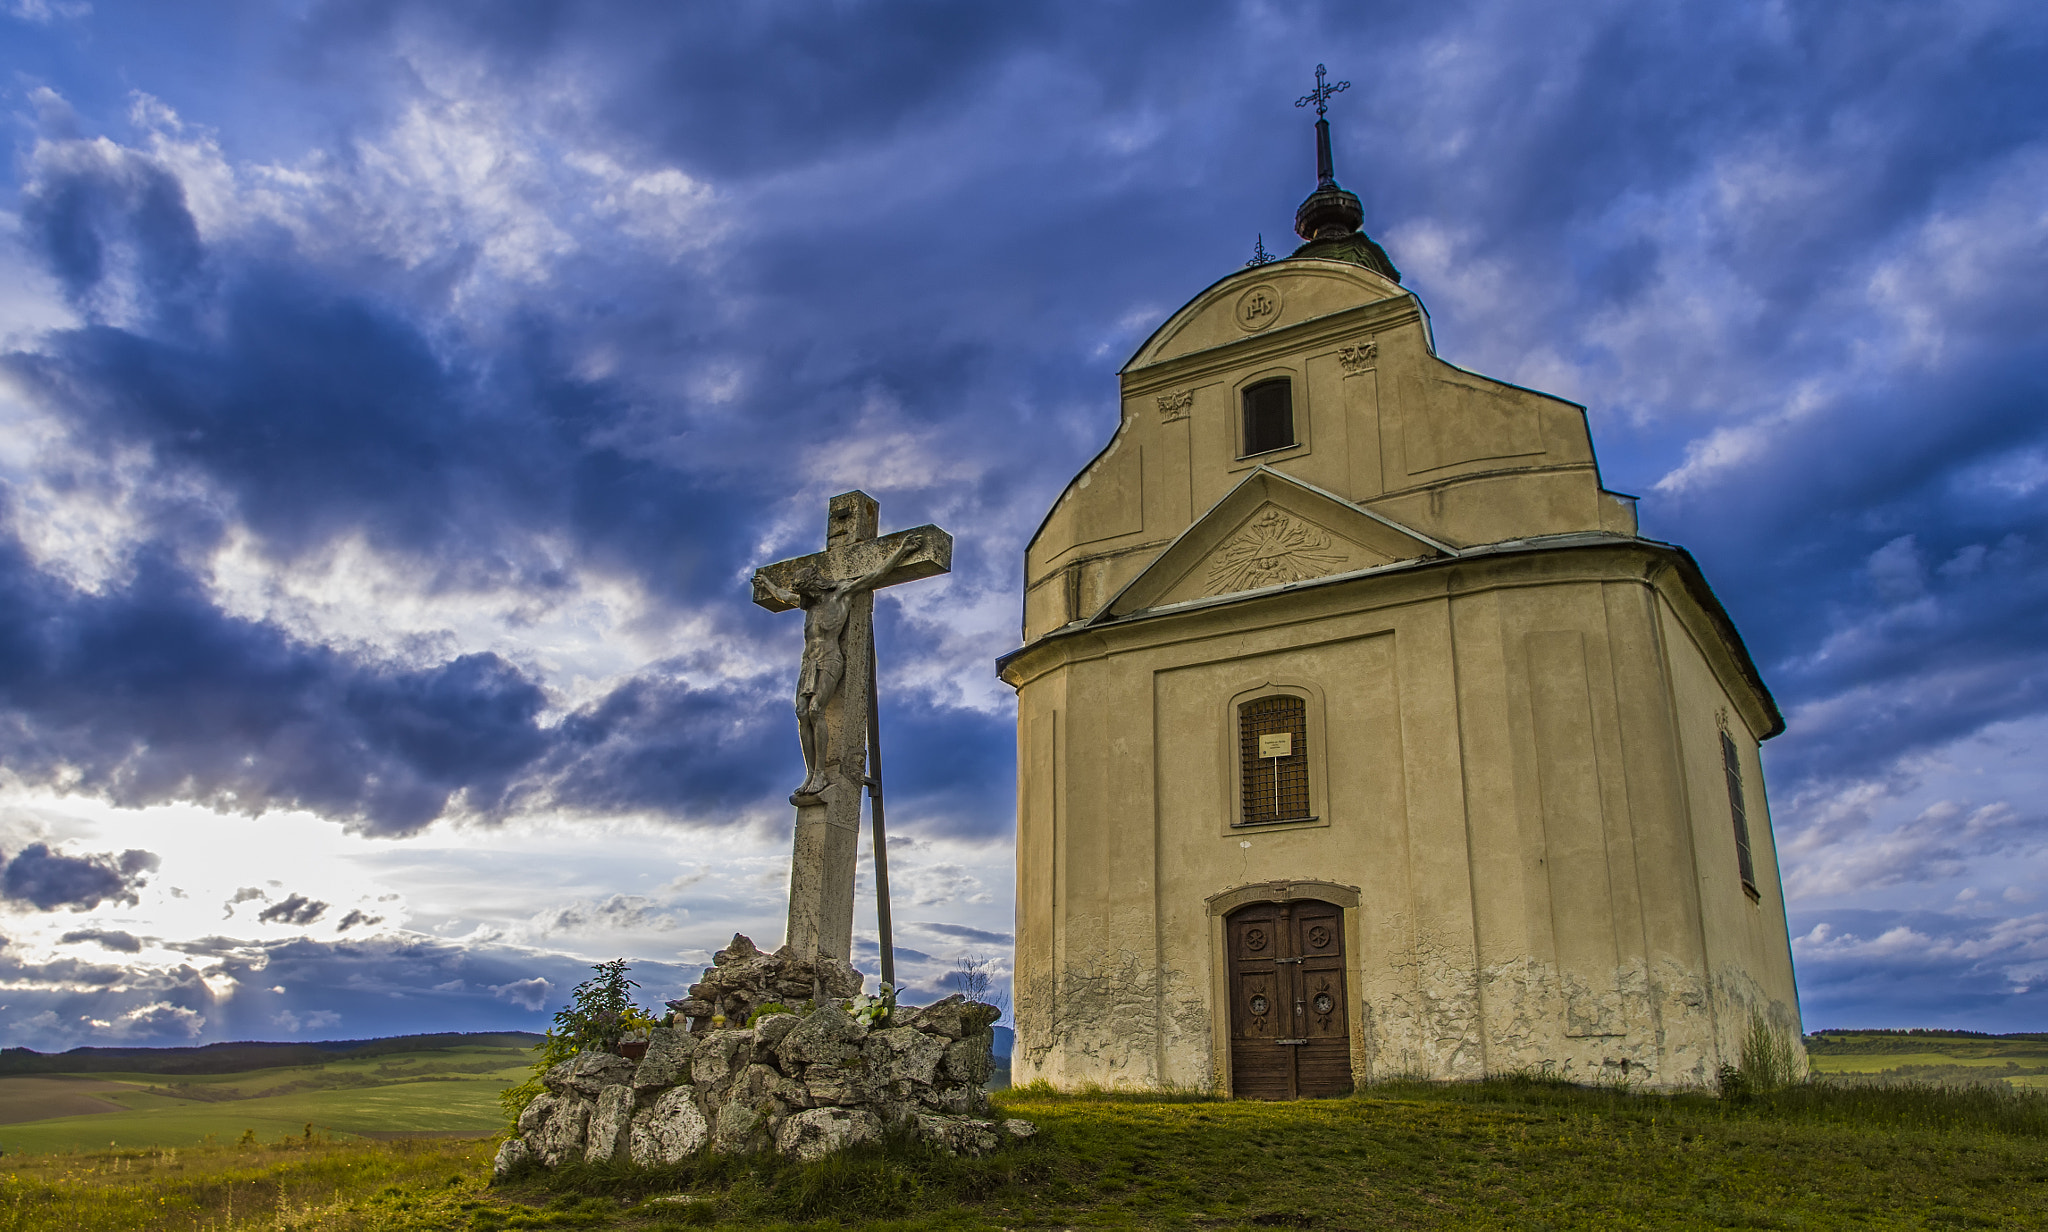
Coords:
449,1091
293,1186
1523,1153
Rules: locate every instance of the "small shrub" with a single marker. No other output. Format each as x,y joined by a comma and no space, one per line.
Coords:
1767,1064
762,1011
599,1012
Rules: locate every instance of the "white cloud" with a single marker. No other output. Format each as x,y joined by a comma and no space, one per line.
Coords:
530,994
311,1020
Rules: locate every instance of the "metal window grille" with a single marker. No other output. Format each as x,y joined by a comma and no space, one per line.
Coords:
1268,416
1274,788
1731,763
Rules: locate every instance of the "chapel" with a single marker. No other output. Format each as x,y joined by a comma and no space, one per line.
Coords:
1360,734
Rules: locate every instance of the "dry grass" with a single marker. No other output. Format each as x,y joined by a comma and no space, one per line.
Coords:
300,1185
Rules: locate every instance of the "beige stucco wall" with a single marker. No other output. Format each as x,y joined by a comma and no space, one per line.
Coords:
1519,772
1516,769
1453,454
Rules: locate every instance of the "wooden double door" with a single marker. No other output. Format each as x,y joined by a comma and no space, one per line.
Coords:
1289,1037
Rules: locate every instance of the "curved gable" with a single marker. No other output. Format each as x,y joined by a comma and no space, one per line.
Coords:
1233,309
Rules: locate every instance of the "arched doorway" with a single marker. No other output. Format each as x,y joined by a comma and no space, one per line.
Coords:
1289,1037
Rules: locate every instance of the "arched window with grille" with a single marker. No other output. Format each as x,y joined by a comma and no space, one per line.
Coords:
1272,735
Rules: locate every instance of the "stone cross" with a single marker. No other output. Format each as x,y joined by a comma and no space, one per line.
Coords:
835,588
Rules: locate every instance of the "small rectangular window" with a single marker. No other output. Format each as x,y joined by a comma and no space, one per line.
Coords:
1731,763
1268,416
1272,735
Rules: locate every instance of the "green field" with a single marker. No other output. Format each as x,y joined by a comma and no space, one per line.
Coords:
1856,1148
1507,1154
2019,1061
442,1091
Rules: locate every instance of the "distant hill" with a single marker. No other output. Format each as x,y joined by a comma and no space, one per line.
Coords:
242,1055
245,1055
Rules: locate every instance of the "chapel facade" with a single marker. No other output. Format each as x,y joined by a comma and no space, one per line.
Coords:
1361,735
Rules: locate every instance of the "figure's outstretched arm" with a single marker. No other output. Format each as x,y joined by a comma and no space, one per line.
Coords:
782,596
909,544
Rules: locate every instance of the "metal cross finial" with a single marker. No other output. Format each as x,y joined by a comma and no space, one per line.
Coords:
1320,96
1259,254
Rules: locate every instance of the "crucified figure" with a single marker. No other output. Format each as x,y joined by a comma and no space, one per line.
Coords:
826,605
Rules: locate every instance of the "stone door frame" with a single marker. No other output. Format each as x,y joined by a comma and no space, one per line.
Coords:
1220,905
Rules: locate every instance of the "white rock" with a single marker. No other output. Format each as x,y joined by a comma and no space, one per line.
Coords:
560,1133
611,1126
671,1131
904,1054
967,1060
719,1058
736,1125
818,1132
829,1036
510,1156
958,1135
535,1114
589,1073
1019,1130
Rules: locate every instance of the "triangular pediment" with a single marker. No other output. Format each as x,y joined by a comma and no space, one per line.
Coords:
1270,530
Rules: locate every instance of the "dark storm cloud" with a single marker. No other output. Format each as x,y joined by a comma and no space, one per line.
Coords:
105,219
357,919
49,880
961,932
126,943
294,909
657,742
148,693
330,990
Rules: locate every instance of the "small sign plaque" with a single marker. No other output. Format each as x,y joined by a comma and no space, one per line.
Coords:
1281,745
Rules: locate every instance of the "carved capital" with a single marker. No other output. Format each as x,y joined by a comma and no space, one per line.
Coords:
1176,405
1359,358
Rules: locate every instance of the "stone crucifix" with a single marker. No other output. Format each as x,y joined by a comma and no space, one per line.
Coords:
835,684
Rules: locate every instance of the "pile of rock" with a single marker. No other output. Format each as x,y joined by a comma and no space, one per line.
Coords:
805,1084
742,979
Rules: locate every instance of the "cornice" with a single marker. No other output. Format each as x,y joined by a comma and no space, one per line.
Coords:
1550,560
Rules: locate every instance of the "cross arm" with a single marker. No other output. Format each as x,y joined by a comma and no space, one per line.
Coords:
932,556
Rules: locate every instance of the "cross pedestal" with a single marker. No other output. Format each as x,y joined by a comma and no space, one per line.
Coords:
835,588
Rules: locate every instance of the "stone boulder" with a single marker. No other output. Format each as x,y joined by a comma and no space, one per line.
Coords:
817,1132
670,1131
510,1155
828,1037
558,1132
719,1058
609,1132
667,1062
958,1135
588,1073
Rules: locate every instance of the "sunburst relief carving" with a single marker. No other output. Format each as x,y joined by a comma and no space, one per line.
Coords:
1274,550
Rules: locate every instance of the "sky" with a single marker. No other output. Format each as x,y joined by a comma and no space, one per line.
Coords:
395,399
